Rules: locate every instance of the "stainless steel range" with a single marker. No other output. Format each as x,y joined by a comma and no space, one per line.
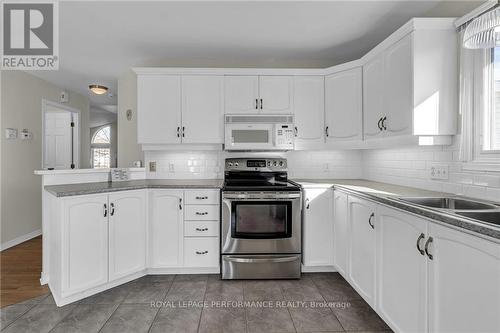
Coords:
261,220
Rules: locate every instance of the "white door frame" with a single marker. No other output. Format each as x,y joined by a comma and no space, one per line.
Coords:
76,131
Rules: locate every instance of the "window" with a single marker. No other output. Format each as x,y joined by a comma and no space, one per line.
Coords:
101,148
491,118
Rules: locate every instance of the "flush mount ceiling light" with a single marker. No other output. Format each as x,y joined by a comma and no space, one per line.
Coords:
484,31
98,89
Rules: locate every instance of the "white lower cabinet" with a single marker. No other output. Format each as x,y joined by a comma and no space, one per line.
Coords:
318,227
127,233
84,243
166,229
341,233
464,282
401,270
362,247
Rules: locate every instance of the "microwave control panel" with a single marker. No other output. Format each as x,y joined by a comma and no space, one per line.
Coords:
284,136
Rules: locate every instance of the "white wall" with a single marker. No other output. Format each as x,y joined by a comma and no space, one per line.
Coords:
411,167
128,149
21,107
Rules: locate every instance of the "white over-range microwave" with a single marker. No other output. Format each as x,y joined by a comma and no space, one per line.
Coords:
259,132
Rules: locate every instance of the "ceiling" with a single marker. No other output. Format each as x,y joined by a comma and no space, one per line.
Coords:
99,41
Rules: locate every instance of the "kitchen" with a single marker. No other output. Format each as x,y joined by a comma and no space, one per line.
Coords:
367,191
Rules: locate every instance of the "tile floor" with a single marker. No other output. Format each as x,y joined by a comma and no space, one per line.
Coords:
322,302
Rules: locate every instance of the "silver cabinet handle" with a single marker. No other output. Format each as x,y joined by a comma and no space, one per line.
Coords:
201,252
105,212
261,104
429,241
178,132
419,240
201,198
112,206
307,203
201,213
180,203
201,229
372,215
326,131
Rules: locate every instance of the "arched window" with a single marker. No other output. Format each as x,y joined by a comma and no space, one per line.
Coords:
101,147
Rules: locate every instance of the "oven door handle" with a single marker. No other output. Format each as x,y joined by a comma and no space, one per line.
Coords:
260,260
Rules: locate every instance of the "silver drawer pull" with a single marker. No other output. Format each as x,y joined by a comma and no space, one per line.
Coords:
201,198
260,260
201,229
201,213
201,252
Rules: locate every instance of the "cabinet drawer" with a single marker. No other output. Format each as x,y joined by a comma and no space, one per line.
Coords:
201,252
201,229
201,197
201,212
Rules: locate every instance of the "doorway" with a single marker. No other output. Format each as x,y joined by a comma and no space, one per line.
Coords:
61,137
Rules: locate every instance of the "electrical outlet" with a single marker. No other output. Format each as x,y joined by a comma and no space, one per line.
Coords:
439,171
171,167
152,166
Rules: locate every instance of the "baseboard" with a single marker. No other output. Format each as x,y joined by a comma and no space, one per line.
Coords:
317,269
20,239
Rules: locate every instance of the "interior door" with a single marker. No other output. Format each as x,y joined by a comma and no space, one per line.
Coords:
318,227
85,245
127,233
276,94
341,233
362,248
58,146
373,97
309,109
166,229
241,94
398,85
464,276
202,109
402,270
343,105
158,109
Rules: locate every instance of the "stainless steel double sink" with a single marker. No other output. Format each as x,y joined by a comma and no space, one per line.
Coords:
477,210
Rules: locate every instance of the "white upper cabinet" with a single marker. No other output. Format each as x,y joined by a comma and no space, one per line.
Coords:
373,97
241,94
402,270
276,94
341,233
362,247
127,233
318,227
464,282
343,106
158,109
84,243
398,86
309,107
203,109
258,94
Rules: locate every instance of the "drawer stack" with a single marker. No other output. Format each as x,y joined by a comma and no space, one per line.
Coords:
201,228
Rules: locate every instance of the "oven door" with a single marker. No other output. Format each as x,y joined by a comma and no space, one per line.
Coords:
263,222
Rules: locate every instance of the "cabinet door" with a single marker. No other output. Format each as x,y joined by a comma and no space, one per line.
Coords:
318,227
343,112
85,243
276,94
398,87
373,97
241,94
158,109
127,233
401,270
362,248
166,233
464,282
309,107
341,233
202,109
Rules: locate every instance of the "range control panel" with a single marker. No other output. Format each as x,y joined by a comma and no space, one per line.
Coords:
255,164
284,136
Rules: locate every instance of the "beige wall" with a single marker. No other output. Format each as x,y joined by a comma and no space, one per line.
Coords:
21,107
128,149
